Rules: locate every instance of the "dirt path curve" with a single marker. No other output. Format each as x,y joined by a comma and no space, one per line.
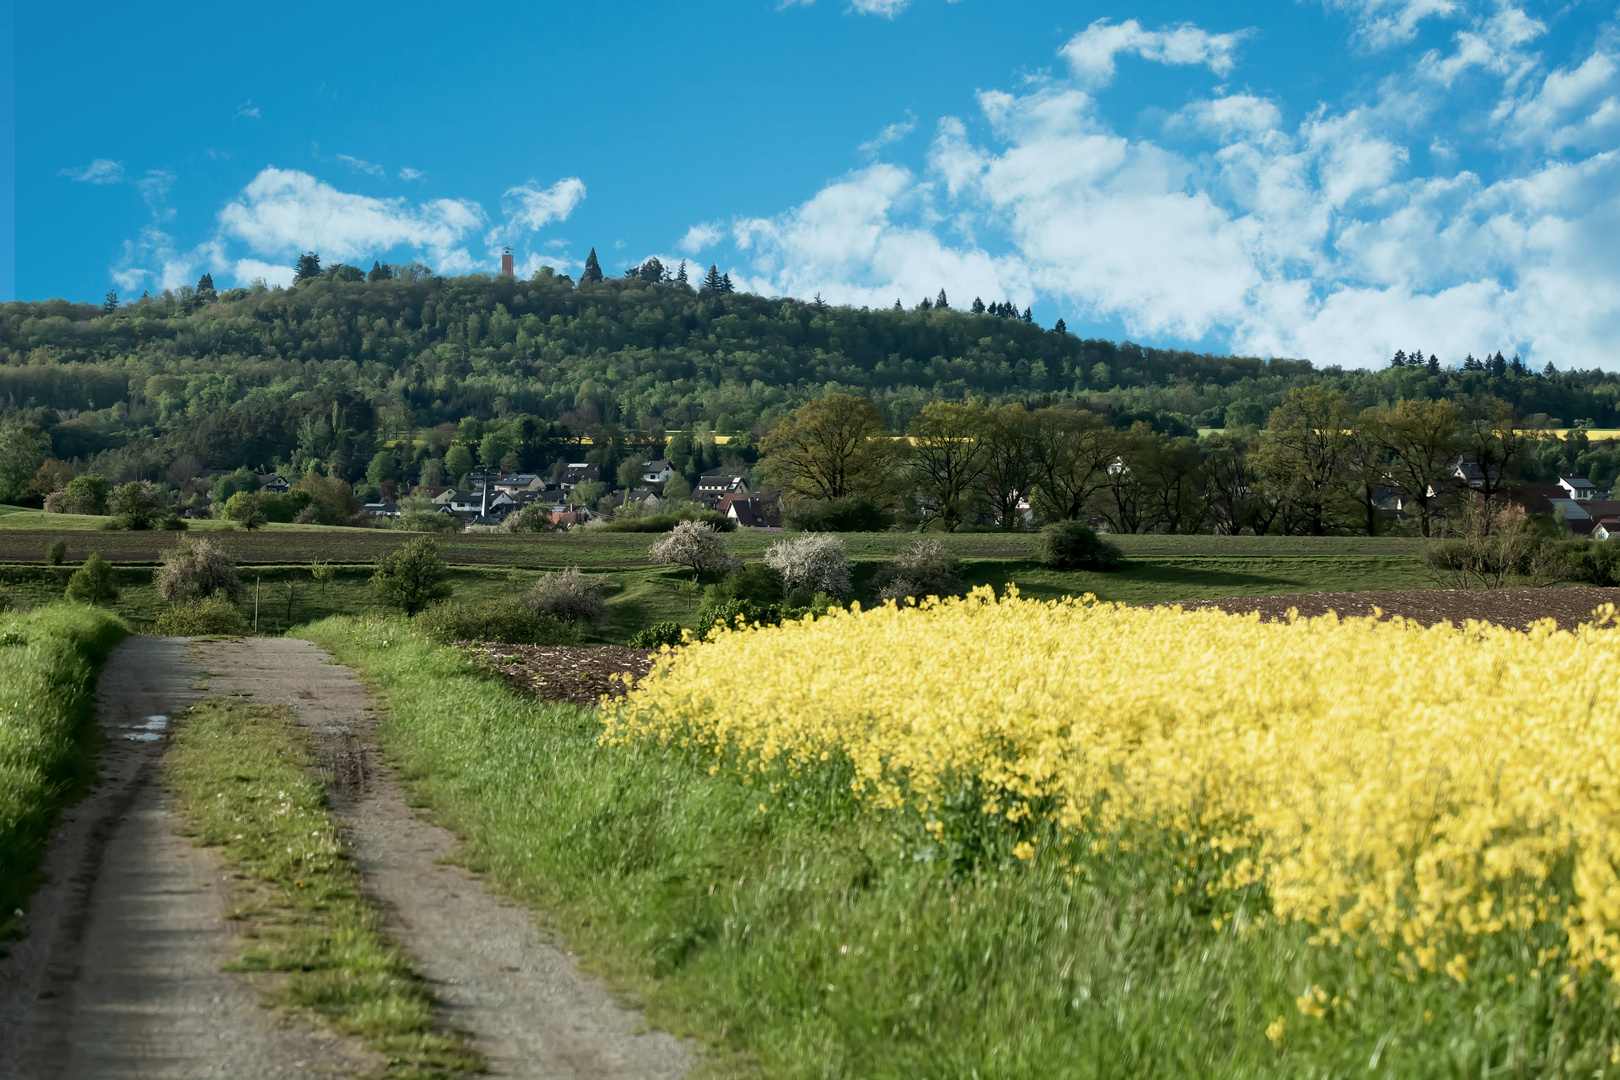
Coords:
135,991
118,974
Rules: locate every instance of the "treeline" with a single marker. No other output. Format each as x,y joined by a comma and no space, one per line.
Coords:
1321,465
249,376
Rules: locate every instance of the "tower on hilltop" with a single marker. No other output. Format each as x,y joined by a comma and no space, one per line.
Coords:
506,263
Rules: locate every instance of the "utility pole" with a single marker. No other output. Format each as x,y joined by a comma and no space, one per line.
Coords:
256,579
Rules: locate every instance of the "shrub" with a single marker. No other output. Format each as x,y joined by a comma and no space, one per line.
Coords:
695,545
663,523
568,595
923,569
56,554
1074,545
811,564
213,614
173,523
136,505
411,576
656,636
246,508
533,518
92,583
195,568
852,513
506,621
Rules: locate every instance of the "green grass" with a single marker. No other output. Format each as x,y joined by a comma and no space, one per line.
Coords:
48,663
810,941
243,775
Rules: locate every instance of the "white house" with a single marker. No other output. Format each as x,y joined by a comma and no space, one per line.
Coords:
1579,488
656,472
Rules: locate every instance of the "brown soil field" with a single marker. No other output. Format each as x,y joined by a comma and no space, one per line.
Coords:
1516,608
578,674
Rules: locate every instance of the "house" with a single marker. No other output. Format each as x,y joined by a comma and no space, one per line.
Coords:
750,512
717,482
1580,488
443,496
482,501
656,472
1471,474
274,484
518,482
1606,528
572,516
383,509
577,473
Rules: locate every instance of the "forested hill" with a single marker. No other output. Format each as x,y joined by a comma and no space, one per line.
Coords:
242,375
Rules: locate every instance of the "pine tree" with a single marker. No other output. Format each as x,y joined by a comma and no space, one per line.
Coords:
818,303
978,306
1399,360
205,284
680,275
1517,366
110,305
711,280
379,272
308,268
897,306
940,301
725,284
1060,328
1028,318
926,305
593,270
652,271
1434,364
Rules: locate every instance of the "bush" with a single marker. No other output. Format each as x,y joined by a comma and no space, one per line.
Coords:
411,576
173,523
852,513
506,621
1074,545
568,595
92,583
136,505
214,614
533,518
663,523
811,564
664,633
83,495
924,569
193,569
246,508
56,554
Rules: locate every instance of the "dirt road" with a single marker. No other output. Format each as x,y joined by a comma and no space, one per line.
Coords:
119,972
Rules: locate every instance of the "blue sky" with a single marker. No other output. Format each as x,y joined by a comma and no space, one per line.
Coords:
1325,178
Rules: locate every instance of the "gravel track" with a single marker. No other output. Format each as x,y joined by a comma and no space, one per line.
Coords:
119,975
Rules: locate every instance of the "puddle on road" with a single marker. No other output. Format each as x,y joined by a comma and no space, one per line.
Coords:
150,730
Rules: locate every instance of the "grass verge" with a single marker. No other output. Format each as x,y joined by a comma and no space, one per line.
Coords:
243,777
48,663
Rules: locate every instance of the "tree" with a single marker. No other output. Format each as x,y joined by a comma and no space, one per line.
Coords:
332,500
593,270
946,460
110,305
344,272
812,563
1008,439
52,476
194,568
379,272
1303,451
308,267
1060,328
205,285
652,271
569,596
23,449
1420,439
458,462
1171,472
711,281
92,583
85,494
136,503
1121,500
1070,450
1493,436
978,307
411,576
418,513
533,518
726,285
382,467
923,569
695,545
833,446
680,274
246,508
940,301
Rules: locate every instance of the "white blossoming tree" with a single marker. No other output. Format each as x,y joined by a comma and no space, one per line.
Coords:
812,563
695,545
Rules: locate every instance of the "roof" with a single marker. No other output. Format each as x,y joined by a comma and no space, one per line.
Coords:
656,466
750,513
1577,482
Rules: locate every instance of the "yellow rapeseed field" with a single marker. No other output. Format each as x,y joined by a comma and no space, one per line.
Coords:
1423,787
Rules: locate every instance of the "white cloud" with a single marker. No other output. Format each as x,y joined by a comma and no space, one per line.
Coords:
886,8
247,110
892,134
284,211
99,171
1381,24
1091,52
245,270
409,173
1577,107
530,207
703,234
362,166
